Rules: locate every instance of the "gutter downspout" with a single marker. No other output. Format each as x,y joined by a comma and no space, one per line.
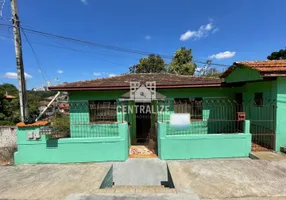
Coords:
55,97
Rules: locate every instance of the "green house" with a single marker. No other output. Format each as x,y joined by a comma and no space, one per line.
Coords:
231,116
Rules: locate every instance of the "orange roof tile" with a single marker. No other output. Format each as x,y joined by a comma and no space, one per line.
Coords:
38,123
267,65
264,67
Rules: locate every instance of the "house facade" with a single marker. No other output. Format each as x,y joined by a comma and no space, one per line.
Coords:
229,117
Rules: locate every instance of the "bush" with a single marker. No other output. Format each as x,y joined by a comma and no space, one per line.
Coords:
61,127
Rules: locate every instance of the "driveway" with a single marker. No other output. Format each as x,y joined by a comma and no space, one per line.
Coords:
231,179
50,181
228,179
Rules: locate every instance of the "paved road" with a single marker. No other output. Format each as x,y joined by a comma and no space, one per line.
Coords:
50,181
231,179
236,179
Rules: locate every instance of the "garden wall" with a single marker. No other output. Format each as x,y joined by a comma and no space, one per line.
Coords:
70,150
190,146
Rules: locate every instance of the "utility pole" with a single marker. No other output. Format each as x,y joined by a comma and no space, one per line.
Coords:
19,61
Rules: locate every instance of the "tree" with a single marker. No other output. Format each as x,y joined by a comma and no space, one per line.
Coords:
182,62
10,108
152,64
213,72
278,55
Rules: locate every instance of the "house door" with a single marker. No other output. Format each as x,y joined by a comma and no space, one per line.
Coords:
143,122
239,108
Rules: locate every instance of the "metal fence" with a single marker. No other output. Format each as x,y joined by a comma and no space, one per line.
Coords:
83,119
224,116
207,116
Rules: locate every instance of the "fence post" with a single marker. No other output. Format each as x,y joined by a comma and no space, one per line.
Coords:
122,114
246,126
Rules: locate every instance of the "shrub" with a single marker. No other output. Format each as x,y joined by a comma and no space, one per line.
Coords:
61,127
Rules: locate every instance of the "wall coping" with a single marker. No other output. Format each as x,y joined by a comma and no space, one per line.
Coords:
38,123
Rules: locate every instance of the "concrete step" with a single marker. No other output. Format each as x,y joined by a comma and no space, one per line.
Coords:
139,172
267,155
142,186
168,196
136,190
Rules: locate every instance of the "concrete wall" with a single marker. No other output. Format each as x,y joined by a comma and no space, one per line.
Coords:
8,136
8,143
281,113
70,150
203,145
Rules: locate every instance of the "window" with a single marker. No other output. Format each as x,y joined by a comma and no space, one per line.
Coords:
258,99
102,111
189,105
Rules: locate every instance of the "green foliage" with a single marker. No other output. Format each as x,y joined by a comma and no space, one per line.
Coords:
10,108
182,62
278,55
212,72
61,124
9,88
42,94
152,64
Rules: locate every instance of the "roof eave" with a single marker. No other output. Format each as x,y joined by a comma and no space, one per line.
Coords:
62,88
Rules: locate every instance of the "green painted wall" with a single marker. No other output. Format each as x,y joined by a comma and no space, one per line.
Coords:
70,150
79,117
203,145
281,113
243,74
262,118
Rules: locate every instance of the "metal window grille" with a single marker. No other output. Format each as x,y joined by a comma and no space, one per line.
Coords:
189,105
102,111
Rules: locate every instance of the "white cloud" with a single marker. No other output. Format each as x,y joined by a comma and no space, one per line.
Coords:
209,27
148,37
60,71
187,35
13,75
215,30
223,55
111,75
84,2
96,73
203,31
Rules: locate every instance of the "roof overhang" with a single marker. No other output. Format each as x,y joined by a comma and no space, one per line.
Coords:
264,72
111,87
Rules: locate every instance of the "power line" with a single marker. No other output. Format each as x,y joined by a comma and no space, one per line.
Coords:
114,47
75,50
109,47
95,44
42,71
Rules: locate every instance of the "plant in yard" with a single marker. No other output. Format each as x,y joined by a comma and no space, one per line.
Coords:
61,125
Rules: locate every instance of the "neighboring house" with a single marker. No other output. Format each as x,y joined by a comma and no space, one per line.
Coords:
63,108
242,111
9,97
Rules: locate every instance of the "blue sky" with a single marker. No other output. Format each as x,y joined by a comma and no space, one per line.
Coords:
224,30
